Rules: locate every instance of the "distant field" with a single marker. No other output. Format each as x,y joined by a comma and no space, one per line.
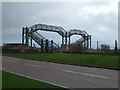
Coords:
97,60
10,80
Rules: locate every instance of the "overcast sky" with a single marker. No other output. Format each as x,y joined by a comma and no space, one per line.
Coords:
99,19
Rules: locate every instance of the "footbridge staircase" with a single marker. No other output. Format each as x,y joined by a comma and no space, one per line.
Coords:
44,43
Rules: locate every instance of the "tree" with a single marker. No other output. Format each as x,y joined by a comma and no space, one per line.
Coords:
104,47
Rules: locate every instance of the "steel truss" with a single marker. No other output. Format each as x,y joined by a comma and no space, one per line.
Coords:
31,32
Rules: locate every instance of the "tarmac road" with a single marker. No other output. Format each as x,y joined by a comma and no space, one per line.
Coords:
66,76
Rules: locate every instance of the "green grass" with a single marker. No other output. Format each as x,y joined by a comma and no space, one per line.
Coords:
0,79
10,80
98,60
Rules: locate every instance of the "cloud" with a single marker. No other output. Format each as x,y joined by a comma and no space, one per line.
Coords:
0,23
97,18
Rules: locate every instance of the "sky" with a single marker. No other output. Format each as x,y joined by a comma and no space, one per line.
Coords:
99,19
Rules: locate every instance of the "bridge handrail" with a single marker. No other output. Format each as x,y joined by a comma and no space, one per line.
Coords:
39,35
45,27
55,44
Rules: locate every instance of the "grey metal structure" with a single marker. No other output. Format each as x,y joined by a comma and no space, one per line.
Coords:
45,44
86,37
61,31
32,34
45,27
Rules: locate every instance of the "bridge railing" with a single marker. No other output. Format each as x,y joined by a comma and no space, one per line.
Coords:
55,45
39,36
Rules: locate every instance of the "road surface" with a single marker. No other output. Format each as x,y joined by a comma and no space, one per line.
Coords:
67,76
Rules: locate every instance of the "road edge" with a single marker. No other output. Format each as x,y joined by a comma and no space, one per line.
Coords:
67,63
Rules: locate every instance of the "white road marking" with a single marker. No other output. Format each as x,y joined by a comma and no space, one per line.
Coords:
69,71
88,74
36,65
37,79
93,75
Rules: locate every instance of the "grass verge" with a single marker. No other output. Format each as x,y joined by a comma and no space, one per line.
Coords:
85,59
10,80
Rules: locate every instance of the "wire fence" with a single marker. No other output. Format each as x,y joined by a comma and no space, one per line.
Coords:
97,44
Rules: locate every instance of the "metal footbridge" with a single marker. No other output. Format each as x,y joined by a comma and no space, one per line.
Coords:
30,33
45,44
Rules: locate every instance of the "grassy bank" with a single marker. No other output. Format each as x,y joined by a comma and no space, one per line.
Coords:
97,60
10,80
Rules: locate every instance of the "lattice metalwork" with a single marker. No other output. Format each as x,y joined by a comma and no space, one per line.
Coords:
77,32
45,27
66,35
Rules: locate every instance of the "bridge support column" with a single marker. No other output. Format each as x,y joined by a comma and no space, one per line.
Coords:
46,45
51,45
27,38
41,45
69,41
62,40
66,46
23,32
90,41
31,37
84,40
66,38
87,41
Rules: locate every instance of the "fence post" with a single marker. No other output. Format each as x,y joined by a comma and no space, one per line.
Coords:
97,46
116,46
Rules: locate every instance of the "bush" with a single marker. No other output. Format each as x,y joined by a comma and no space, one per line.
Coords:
77,47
